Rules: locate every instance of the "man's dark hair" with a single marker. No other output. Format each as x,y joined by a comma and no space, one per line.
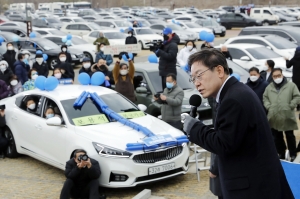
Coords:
20,56
194,45
172,75
9,43
62,53
276,69
29,73
28,99
254,69
78,151
64,46
210,58
271,63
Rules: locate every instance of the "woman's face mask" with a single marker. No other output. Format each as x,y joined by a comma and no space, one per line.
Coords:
189,47
124,72
26,56
3,68
32,106
10,47
34,75
57,75
63,59
64,49
49,115
14,82
87,65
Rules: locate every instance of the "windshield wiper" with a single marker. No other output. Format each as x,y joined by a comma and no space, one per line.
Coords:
130,110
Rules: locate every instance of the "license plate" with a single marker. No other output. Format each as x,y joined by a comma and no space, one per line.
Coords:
207,122
161,168
217,31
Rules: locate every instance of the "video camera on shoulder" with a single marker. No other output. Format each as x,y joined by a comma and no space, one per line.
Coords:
155,45
83,157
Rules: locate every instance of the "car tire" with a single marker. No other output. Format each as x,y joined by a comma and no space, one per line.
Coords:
141,43
11,150
223,34
228,27
252,24
86,54
265,23
52,62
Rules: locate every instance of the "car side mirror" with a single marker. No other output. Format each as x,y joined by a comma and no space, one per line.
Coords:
142,107
142,90
245,58
54,121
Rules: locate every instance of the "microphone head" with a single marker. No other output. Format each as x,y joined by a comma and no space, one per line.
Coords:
195,100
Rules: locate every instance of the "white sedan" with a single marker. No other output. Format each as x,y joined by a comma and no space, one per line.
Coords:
114,37
54,140
193,27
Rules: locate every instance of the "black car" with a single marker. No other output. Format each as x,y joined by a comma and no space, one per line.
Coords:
20,31
49,48
230,20
289,32
292,23
47,23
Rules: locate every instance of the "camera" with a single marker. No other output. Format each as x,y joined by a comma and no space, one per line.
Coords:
157,95
155,45
2,107
83,157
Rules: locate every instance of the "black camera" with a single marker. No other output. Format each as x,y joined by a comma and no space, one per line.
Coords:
157,95
155,45
2,107
83,157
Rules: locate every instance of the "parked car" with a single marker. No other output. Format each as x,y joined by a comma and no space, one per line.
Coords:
166,16
14,23
47,23
115,37
49,31
20,31
71,19
193,27
228,8
243,73
265,15
80,28
213,25
284,18
72,13
8,36
291,23
230,20
185,18
91,18
111,23
84,12
17,17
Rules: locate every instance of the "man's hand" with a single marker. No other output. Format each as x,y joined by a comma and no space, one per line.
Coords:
286,58
120,55
188,124
212,175
88,163
107,78
163,97
2,113
80,164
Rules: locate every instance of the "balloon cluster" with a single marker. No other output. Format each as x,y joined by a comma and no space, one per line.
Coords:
97,79
152,59
45,56
206,36
125,58
67,39
48,84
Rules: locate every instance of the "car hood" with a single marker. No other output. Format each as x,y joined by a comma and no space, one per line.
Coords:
117,135
200,29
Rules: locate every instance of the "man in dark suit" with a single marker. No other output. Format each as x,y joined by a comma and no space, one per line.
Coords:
82,177
249,166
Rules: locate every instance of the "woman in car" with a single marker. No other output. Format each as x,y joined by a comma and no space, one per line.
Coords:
32,75
184,54
49,113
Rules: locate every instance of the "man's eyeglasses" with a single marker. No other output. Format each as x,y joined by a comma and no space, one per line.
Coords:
198,77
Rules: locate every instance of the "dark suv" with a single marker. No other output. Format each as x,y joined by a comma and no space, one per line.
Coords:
230,20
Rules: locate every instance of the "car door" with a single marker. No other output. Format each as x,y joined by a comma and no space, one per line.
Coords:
73,29
239,21
83,30
236,57
142,98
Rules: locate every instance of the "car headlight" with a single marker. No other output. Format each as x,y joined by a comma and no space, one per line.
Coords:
110,152
73,56
146,41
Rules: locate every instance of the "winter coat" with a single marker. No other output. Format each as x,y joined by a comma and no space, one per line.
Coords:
69,71
264,75
41,69
106,72
29,85
108,58
171,110
100,40
88,71
131,40
227,55
21,71
6,75
16,89
295,62
4,91
281,104
10,58
258,87
167,56
183,56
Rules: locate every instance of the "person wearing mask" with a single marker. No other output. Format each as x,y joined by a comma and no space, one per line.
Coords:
82,177
3,139
27,60
61,77
267,70
280,99
257,83
123,77
100,55
31,105
102,67
40,65
32,75
101,40
86,66
64,49
130,39
15,86
226,53
171,100
10,56
49,113
184,54
167,54
65,67
21,69
207,45
135,24
5,72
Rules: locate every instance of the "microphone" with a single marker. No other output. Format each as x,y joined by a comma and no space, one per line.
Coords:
195,102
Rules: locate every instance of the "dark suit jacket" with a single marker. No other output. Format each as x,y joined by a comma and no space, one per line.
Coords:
264,75
249,166
81,177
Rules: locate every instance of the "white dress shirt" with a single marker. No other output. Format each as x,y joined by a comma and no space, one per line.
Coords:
219,93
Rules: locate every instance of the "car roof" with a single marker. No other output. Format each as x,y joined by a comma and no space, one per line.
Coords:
45,29
243,46
70,17
146,66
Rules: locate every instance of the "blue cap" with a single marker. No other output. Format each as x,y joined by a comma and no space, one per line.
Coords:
167,31
86,59
130,29
298,49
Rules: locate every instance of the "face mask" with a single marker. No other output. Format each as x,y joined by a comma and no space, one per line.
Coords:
189,47
86,65
169,85
63,59
103,68
166,37
64,49
39,60
124,72
278,80
26,56
10,48
34,76
102,49
49,115
129,34
31,106
101,36
253,78
57,75
3,68
14,82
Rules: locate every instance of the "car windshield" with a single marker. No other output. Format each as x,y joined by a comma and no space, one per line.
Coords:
52,20
182,80
92,111
57,33
114,35
281,43
144,23
192,25
175,27
47,44
123,23
144,31
94,26
78,41
79,20
262,53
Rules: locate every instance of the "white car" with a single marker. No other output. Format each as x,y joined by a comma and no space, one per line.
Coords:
72,13
114,37
71,19
193,27
49,31
279,45
54,140
145,35
88,49
14,23
80,28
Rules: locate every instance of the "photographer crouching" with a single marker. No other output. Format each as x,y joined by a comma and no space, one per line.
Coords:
82,175
167,53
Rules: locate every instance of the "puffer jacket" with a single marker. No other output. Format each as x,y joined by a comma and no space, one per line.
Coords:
6,75
171,111
21,71
281,104
183,56
10,57
41,69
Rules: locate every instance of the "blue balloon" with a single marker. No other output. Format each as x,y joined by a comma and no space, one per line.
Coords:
51,83
64,40
84,79
173,21
210,37
202,35
69,36
237,76
39,52
1,39
40,82
152,59
32,35
97,79
125,58
45,56
122,30
69,43
15,38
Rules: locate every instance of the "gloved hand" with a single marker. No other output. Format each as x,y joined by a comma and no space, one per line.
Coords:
126,54
120,55
188,124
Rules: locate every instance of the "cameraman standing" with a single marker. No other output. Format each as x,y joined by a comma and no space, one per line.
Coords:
167,53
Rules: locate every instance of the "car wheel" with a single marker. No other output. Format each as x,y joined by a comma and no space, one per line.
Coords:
11,150
228,27
52,62
223,34
265,23
141,43
88,55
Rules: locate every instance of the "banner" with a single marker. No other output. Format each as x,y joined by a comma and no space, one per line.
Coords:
115,50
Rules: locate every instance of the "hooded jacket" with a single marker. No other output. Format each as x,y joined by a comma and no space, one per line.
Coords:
4,91
41,69
295,62
183,56
69,57
6,75
167,56
21,71
10,57
259,86
131,40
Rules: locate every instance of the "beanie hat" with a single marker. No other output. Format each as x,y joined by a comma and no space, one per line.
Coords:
38,55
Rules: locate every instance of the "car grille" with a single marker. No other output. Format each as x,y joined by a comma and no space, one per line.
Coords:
80,55
153,157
